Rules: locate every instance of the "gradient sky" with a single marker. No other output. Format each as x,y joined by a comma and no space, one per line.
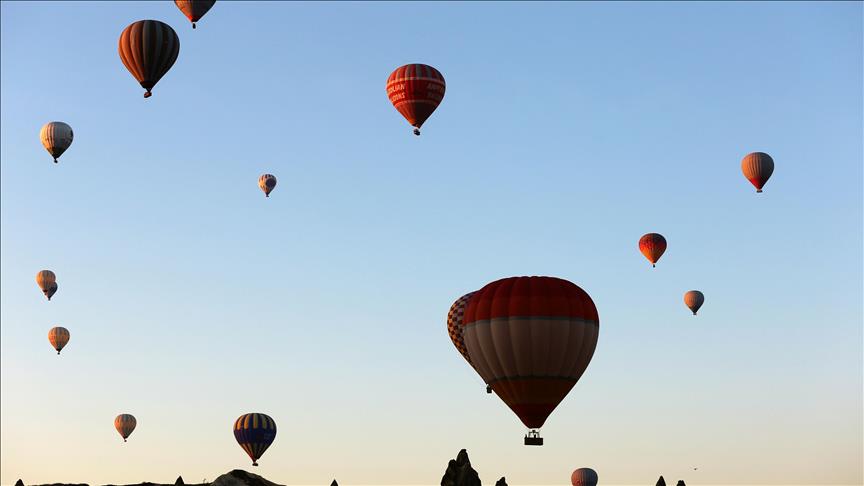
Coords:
568,130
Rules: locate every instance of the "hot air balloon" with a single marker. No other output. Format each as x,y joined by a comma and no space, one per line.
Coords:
254,432
46,279
416,90
530,339
194,9
58,337
694,300
125,424
757,168
584,477
454,328
52,289
652,246
148,49
267,182
56,138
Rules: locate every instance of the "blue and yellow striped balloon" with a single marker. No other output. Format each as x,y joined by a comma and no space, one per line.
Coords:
254,432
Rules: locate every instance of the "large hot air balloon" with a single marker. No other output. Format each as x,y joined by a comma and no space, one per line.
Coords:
46,279
56,138
694,300
52,289
125,424
267,182
58,337
584,477
254,432
148,49
757,168
530,339
455,329
194,9
416,90
652,246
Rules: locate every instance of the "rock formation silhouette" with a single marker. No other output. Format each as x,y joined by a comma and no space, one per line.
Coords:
19,483
179,481
680,483
501,482
334,483
239,477
459,472
661,481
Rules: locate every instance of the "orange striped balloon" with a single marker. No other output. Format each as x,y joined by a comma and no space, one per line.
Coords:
254,432
45,279
58,337
125,424
652,245
757,168
56,138
694,300
148,49
267,182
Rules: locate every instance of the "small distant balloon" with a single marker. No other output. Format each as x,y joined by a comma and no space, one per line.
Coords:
148,49
757,168
46,279
254,432
584,477
652,245
58,337
194,9
125,424
267,183
416,90
694,299
56,137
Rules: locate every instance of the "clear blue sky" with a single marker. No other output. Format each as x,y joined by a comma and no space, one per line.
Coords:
568,130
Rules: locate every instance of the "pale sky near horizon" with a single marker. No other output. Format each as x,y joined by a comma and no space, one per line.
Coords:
567,131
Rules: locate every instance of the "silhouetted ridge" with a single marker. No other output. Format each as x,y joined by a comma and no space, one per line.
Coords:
459,472
239,477
179,481
501,482
661,481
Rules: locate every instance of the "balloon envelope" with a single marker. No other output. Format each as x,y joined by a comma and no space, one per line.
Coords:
454,325
56,138
531,339
254,432
125,424
45,279
52,289
652,245
416,90
694,300
148,49
194,9
757,168
584,477
267,183
58,337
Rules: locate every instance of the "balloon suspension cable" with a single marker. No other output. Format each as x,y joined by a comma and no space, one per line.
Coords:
148,94
417,132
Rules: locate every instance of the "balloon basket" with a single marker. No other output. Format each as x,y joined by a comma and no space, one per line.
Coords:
533,438
488,389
